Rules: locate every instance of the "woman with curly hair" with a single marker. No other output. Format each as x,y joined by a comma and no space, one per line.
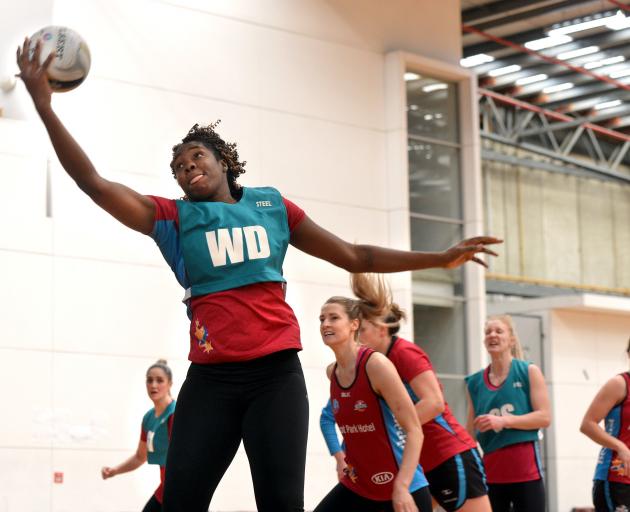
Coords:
226,244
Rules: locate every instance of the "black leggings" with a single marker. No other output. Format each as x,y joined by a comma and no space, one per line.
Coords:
342,499
264,403
518,497
153,505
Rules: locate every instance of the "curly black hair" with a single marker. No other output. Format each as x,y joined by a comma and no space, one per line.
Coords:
222,150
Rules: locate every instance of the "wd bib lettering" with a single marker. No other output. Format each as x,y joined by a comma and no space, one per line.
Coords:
230,245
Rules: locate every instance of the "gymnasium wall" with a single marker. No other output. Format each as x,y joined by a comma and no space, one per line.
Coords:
558,228
588,348
86,304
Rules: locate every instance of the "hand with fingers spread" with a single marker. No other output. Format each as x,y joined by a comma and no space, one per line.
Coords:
468,250
33,74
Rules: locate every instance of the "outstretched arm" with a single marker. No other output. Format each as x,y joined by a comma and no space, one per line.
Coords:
316,241
129,207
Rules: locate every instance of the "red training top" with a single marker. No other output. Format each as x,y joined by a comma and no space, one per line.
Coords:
444,437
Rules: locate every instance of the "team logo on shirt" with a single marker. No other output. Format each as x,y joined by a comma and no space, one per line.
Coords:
517,384
360,406
382,478
335,406
351,473
201,334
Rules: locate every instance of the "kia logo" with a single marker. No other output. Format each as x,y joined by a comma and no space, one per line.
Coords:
382,478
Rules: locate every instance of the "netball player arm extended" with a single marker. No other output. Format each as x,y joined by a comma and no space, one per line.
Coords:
133,462
316,241
611,395
540,417
386,382
126,205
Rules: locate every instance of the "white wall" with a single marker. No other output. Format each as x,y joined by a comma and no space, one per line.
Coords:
87,305
588,348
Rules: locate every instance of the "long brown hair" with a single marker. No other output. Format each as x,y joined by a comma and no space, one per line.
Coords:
375,301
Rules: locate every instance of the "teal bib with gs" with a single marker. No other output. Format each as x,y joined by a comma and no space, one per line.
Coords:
512,397
229,245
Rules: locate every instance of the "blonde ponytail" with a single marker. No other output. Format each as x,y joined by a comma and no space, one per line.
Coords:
375,301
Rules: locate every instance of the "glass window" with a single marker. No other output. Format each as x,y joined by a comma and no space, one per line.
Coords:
432,108
434,179
430,236
436,220
455,395
439,331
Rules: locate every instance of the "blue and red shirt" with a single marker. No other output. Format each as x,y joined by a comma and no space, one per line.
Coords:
232,246
617,424
373,438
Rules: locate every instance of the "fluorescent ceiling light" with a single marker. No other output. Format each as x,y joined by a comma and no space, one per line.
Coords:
505,70
585,25
607,104
620,73
531,79
618,21
475,60
434,87
580,52
558,87
547,42
411,76
604,62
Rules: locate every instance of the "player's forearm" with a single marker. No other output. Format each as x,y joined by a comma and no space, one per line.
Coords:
410,458
72,157
592,430
427,409
371,258
529,421
133,462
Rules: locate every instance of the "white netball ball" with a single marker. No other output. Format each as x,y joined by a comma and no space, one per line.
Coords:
71,64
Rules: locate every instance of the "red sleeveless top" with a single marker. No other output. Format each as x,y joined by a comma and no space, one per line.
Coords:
372,439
